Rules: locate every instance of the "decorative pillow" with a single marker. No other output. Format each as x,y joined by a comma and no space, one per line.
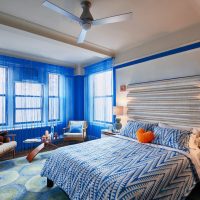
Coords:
175,138
76,128
145,137
132,126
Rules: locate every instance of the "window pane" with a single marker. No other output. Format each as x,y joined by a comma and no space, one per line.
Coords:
25,90
103,109
32,115
108,110
99,109
54,108
53,85
2,110
32,89
103,84
28,102
2,80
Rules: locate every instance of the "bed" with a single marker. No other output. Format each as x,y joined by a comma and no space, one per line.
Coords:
120,167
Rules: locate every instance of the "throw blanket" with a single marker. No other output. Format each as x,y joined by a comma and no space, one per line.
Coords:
116,168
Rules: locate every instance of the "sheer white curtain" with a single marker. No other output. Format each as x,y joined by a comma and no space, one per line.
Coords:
54,101
102,96
28,103
2,95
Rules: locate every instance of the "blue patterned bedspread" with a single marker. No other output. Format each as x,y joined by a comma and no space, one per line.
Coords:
115,168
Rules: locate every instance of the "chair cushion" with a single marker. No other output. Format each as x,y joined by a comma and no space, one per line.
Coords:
76,128
68,134
5,147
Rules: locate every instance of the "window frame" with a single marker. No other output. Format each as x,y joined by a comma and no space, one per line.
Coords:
54,97
103,97
41,108
5,96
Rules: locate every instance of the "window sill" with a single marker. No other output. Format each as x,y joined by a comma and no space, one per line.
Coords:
27,126
103,124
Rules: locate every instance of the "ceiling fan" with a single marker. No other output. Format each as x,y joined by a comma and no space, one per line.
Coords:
86,20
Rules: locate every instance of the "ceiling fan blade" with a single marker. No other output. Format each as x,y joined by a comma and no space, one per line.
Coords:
113,19
61,11
82,36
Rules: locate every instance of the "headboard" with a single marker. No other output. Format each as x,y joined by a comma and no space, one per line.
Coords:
173,101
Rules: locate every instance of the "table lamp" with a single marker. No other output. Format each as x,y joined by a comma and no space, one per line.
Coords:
118,110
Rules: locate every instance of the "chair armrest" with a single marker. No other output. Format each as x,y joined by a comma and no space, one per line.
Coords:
11,135
65,129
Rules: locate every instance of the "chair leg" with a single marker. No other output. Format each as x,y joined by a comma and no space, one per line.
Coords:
13,153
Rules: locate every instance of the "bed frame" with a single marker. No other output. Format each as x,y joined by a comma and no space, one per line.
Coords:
50,183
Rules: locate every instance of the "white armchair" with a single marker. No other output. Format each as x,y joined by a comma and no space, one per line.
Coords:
76,131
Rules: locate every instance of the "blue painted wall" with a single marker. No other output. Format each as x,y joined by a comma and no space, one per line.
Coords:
26,70
79,97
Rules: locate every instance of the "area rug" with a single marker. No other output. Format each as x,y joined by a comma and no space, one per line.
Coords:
21,180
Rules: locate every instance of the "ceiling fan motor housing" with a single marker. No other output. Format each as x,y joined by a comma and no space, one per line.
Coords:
86,16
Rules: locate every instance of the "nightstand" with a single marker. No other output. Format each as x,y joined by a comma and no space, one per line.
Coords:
107,133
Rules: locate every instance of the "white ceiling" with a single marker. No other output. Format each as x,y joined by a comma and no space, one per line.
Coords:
17,43
152,19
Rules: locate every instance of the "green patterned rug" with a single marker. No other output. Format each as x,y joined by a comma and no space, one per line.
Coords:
21,180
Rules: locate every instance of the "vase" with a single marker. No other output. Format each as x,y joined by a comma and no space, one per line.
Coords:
117,124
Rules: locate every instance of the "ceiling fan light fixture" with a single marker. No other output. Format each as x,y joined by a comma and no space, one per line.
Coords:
86,26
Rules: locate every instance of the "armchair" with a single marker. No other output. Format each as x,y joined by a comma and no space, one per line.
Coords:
72,135
9,146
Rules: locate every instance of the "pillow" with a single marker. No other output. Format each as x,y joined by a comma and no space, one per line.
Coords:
145,137
76,128
175,138
132,126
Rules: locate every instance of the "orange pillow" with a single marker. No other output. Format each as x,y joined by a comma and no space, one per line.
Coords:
145,137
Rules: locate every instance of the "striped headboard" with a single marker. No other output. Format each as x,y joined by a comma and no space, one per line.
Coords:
174,101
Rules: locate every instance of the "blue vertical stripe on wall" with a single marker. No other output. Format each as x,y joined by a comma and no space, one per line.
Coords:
79,97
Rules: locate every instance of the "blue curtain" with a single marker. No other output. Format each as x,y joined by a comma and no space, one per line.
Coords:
94,128
31,98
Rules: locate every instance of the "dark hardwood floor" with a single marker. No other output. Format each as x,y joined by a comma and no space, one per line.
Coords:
195,194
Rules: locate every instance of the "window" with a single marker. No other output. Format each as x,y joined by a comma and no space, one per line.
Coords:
2,95
102,87
28,102
54,99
